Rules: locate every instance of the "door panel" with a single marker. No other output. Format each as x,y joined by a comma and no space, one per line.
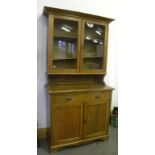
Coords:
95,119
94,40
67,123
64,49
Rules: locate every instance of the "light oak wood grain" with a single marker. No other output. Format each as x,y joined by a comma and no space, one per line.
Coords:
80,101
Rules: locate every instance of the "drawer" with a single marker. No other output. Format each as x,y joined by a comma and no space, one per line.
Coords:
97,96
67,98
81,97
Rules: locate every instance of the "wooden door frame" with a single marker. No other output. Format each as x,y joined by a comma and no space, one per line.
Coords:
85,136
103,70
55,106
50,44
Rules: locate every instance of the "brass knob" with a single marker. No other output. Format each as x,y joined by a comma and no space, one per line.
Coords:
68,99
97,97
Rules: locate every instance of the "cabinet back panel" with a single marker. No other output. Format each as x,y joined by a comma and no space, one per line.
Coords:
75,79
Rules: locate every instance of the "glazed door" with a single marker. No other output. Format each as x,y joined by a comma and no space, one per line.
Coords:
94,47
95,119
67,123
63,44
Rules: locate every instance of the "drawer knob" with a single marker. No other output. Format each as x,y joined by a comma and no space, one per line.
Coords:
97,97
68,99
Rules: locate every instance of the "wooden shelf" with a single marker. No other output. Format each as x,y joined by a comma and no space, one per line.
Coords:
100,38
64,59
76,58
77,87
93,57
65,36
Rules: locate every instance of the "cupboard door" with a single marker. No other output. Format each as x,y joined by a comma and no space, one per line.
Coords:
95,119
94,47
67,123
63,44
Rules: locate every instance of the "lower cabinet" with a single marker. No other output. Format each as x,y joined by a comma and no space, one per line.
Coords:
77,118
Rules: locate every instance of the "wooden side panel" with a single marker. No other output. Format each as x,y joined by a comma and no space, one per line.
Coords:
95,119
50,42
67,123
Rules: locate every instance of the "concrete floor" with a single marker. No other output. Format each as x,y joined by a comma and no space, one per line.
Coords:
108,147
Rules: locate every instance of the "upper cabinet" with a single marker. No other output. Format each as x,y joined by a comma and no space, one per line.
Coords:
77,44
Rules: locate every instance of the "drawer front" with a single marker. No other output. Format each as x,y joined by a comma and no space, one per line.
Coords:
81,97
97,96
66,98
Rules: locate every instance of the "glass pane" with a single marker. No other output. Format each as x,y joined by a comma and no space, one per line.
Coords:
93,50
65,44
